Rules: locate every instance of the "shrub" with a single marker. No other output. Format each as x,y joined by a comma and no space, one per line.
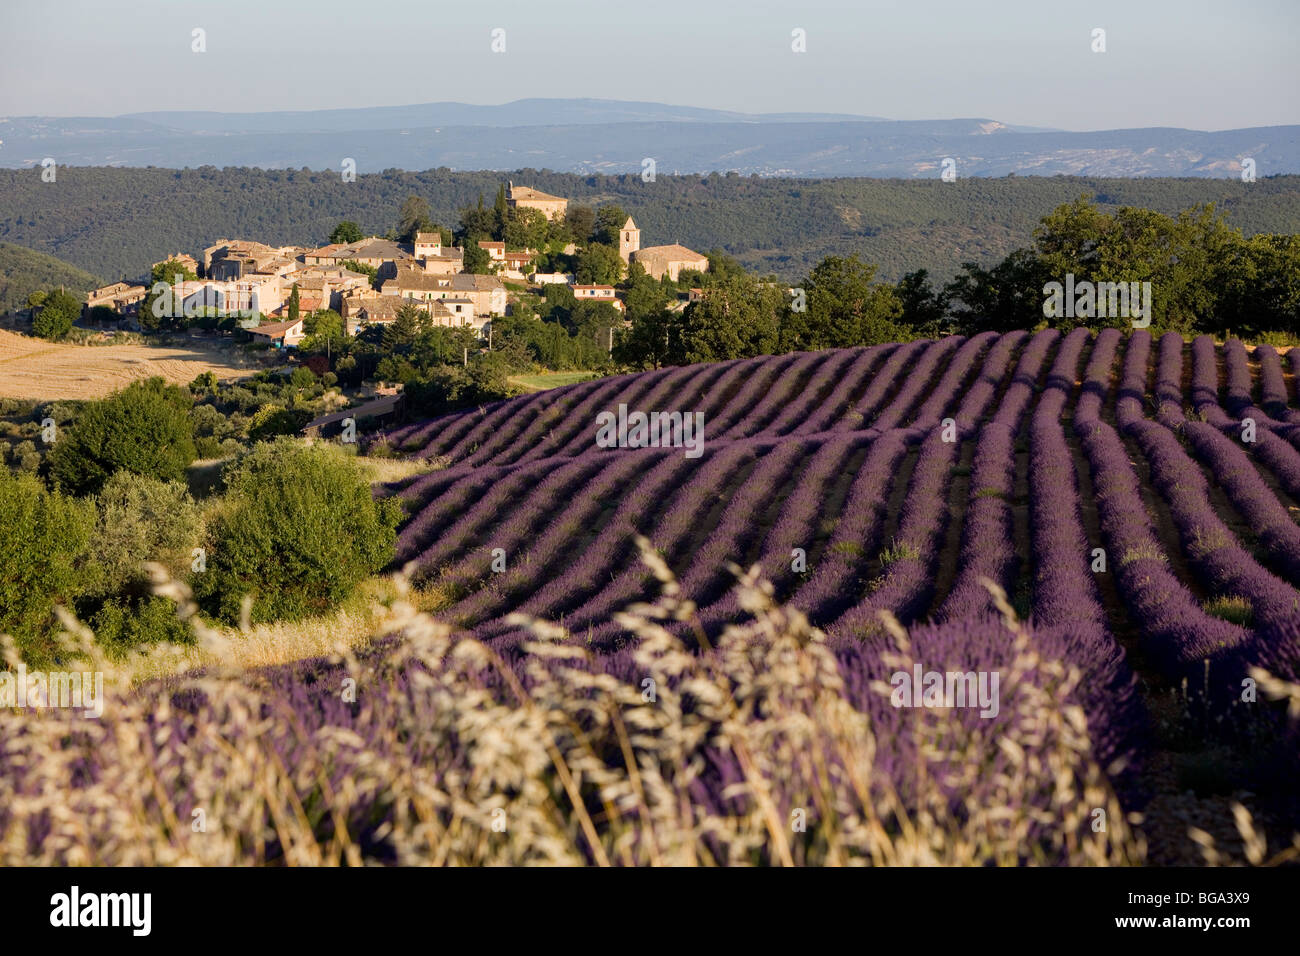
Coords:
61,412
299,532
141,519
126,622
144,429
207,420
272,420
22,452
43,538
207,447
57,314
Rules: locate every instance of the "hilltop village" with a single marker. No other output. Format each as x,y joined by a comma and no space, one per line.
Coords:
267,292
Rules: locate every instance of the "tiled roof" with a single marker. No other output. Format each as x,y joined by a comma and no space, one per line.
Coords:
275,329
673,252
527,192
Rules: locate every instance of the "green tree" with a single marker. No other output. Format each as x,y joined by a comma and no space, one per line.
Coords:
139,519
1184,258
144,429
489,374
101,314
924,309
59,310
272,420
609,222
300,531
476,222
1009,296
558,295
526,229
442,389
500,215
204,382
345,232
581,221
598,264
168,272
645,296
325,331
294,303
25,457
1070,239
440,344
737,318
127,621
477,259
647,343
845,307
400,334
413,218
43,552
1259,283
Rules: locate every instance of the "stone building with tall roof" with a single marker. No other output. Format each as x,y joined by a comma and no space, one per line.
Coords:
671,261
525,197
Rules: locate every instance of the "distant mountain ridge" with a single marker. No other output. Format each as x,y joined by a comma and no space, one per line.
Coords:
526,112
614,137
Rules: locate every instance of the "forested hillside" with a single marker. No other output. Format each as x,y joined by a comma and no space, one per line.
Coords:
116,222
24,271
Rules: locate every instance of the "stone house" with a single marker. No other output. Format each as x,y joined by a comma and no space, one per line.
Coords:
525,197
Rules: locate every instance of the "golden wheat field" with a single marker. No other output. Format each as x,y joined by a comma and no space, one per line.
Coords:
36,369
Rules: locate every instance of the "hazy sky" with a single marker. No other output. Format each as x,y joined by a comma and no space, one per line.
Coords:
1189,63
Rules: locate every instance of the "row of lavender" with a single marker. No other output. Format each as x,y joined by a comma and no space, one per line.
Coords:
835,472
460,506
780,419
586,592
840,393
1169,609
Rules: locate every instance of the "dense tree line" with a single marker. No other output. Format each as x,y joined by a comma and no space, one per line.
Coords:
778,226
1205,277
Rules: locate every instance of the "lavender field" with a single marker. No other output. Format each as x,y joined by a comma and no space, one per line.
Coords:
1137,499
635,656
1139,494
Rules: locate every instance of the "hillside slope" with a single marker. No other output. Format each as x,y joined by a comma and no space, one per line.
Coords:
782,226
23,271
